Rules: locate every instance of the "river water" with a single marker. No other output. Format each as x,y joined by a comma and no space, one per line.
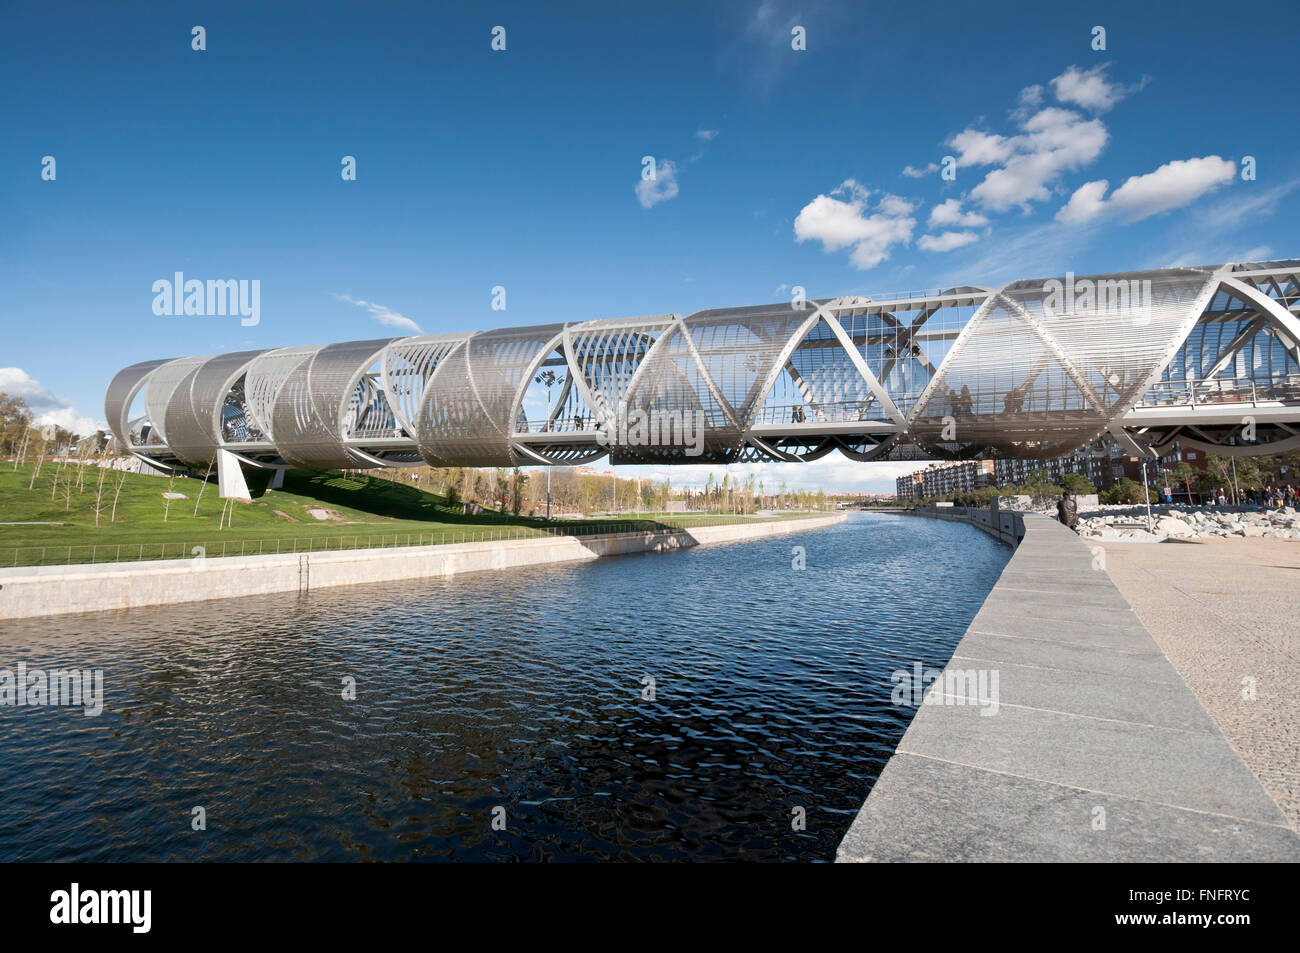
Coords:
516,700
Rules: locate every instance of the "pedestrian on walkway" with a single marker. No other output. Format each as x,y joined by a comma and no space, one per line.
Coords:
1067,510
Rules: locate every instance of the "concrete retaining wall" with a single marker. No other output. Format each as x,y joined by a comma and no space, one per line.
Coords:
50,590
1045,504
1005,525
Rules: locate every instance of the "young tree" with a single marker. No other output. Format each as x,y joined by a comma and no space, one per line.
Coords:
202,486
99,494
38,463
1221,468
15,419
120,480
1184,473
517,482
1078,484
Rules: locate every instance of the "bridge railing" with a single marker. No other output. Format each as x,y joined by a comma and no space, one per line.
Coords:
814,412
1221,390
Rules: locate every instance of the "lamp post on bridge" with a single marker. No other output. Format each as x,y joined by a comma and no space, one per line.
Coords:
549,378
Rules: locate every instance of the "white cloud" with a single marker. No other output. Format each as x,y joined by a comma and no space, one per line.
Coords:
853,188
1054,141
1051,141
839,224
1258,253
47,408
945,241
758,51
1194,258
1171,186
707,135
895,205
1030,98
1247,205
832,473
1089,88
650,192
950,213
1045,249
1087,202
976,147
383,314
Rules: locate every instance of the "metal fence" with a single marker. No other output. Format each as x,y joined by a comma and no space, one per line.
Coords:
198,548
1222,390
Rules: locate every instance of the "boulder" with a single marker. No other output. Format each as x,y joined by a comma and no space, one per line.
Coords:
1172,526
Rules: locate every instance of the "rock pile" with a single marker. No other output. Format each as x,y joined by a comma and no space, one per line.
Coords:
1186,522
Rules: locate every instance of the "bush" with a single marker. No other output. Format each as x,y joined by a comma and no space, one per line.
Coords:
1126,491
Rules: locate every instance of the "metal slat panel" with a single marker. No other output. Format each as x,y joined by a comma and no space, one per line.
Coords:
1043,372
466,418
406,366
121,392
163,383
193,414
262,383
312,405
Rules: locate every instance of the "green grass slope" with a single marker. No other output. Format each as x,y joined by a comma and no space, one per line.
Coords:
362,512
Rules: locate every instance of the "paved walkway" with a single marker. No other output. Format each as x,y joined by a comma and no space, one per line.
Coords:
1225,610
1098,750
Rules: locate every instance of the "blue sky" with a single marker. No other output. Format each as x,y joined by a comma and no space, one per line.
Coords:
478,168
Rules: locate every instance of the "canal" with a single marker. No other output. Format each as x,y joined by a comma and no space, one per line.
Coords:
700,705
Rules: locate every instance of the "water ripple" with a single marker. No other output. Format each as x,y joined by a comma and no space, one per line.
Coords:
521,691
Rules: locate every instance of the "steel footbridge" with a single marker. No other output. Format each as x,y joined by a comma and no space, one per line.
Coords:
1207,356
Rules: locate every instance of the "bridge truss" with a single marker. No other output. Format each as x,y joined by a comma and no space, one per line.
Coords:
1206,356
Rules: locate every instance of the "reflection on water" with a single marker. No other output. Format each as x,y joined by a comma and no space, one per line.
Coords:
518,690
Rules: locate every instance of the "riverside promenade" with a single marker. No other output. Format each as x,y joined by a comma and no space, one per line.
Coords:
1224,612
1096,751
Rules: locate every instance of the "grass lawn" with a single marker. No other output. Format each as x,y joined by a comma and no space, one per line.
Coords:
361,512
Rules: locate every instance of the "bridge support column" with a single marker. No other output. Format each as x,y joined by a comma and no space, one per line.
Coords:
277,481
231,484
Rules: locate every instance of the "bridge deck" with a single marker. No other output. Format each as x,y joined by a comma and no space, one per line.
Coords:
589,436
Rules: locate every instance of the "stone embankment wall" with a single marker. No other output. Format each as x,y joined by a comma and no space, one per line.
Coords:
50,590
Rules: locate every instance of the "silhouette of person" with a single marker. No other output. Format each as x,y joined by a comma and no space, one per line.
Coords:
963,404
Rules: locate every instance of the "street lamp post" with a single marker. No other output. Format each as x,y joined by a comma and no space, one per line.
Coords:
1146,493
549,378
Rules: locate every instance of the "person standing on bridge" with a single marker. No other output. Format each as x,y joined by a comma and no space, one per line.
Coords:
963,404
1067,510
